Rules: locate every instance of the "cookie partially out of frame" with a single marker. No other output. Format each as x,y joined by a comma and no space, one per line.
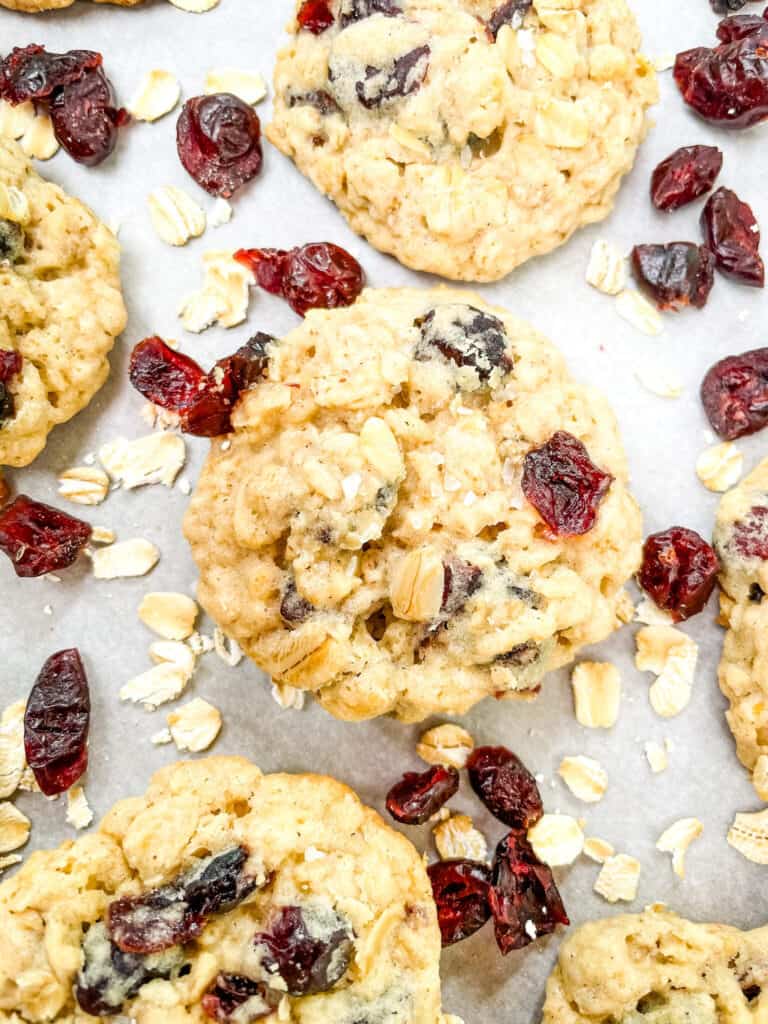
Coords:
460,153
239,865
658,968
35,6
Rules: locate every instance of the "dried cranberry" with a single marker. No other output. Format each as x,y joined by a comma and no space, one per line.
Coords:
315,16
307,949
403,77
505,786
510,13
31,73
564,485
231,992
687,174
419,795
56,723
218,138
675,275
85,120
727,6
728,83
731,232
166,377
10,366
39,538
356,10
735,394
467,337
524,899
460,889
294,609
679,571
319,275
321,100
750,534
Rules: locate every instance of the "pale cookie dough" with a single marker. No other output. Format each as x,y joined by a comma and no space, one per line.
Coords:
741,542
457,154
658,968
284,848
60,305
363,532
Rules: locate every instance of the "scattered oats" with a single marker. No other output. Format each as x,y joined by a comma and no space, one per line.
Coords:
157,95
759,776
184,485
199,643
52,577
38,140
442,815
200,311
227,648
676,840
672,656
288,697
249,86
719,467
220,213
585,777
79,813
596,693
169,614
175,216
639,312
606,270
749,835
195,726
312,854
649,613
14,121
84,485
162,737
457,837
598,850
619,879
14,205
156,686
195,6
127,558
9,861
14,828
656,756
155,415
173,652
224,296
659,380
102,535
446,744
557,839
12,758
664,62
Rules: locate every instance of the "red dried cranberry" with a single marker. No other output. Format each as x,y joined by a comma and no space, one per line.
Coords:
232,991
735,394
39,538
56,723
404,76
218,138
356,10
31,73
564,485
505,786
750,535
460,889
467,337
510,13
731,232
419,795
679,571
524,899
85,120
315,16
738,27
306,950
319,275
687,174
10,366
675,275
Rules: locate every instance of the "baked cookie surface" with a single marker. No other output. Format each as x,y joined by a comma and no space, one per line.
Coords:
363,531
266,863
61,307
460,154
35,6
658,968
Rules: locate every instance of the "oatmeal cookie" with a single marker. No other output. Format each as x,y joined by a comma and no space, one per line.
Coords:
658,968
60,306
34,6
460,153
363,532
230,895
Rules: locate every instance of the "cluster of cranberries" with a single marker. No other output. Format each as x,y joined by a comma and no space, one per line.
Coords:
517,891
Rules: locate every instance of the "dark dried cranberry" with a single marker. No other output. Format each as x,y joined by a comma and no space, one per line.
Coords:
750,534
39,538
460,889
728,83
735,394
679,571
674,275
321,100
419,795
467,337
294,608
505,786
56,723
308,949
687,174
231,993
10,366
403,77
524,899
356,10
510,13
31,73
319,275
727,6
85,120
521,656
11,243
564,485
460,581
731,232
315,16
218,138
756,593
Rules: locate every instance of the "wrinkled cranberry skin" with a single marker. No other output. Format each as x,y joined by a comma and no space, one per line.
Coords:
731,29
318,275
731,232
56,722
39,538
750,538
523,890
686,175
230,991
166,377
218,138
85,121
305,963
406,76
505,786
674,275
564,485
315,16
510,13
31,73
679,571
734,393
419,795
460,889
